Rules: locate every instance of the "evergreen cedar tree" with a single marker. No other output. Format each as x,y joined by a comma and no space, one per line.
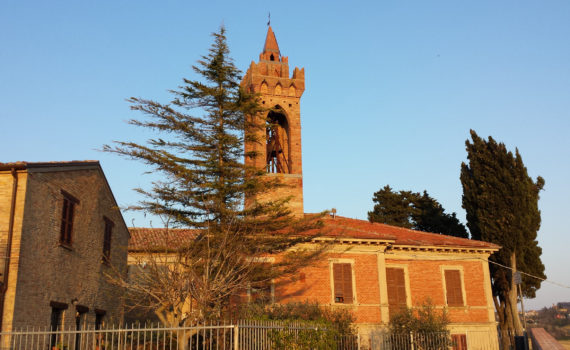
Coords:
199,151
501,202
415,211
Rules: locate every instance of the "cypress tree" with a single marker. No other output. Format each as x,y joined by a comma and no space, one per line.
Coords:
501,202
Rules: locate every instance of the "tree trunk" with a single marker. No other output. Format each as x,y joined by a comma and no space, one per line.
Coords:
512,296
503,327
183,339
508,319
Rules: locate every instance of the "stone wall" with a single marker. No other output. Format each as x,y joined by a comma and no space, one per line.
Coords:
6,188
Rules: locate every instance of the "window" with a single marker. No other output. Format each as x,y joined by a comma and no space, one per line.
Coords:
80,312
453,290
67,213
107,239
262,292
57,310
396,283
262,288
459,341
99,316
342,281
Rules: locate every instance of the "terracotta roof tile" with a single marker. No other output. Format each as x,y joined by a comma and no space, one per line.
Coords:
28,165
143,239
270,42
362,229
338,227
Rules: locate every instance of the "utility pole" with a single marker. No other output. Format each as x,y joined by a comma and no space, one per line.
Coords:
518,282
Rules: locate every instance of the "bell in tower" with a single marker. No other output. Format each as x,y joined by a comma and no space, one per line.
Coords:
277,143
280,95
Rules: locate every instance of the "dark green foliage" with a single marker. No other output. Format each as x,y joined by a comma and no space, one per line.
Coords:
416,211
431,217
424,319
318,327
339,319
392,208
501,202
199,152
421,328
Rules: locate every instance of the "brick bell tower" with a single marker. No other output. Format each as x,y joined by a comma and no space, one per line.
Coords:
280,153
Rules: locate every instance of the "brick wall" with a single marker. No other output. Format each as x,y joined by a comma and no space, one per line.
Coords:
271,80
424,279
50,272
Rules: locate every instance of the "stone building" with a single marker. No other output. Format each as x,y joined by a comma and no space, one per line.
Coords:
61,232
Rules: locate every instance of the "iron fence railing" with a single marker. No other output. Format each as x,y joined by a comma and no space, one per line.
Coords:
241,335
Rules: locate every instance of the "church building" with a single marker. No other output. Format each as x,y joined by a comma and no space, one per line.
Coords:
373,270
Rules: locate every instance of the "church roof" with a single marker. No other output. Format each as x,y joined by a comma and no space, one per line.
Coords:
340,228
270,42
144,239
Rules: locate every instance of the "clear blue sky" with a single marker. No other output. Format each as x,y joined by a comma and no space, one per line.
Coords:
392,89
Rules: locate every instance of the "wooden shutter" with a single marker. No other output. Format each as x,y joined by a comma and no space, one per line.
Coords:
459,341
107,238
67,220
396,290
69,203
342,281
453,288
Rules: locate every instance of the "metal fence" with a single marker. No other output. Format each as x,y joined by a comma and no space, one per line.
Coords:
242,335
472,340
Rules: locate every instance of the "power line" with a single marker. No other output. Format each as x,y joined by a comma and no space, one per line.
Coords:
495,263
529,275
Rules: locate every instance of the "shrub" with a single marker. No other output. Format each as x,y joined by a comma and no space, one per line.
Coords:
425,323
318,327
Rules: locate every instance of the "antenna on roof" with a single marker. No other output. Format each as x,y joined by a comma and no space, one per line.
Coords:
269,19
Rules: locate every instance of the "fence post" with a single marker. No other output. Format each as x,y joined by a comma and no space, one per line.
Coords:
236,336
412,340
358,341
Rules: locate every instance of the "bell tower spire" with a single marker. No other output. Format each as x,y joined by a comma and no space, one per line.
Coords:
280,155
271,48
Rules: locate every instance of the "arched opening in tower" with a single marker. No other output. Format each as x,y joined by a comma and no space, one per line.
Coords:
277,147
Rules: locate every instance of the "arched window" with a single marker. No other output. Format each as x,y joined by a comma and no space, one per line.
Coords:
263,89
278,89
277,147
292,91
272,58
